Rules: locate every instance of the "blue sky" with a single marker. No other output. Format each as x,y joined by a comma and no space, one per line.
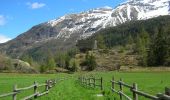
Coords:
18,16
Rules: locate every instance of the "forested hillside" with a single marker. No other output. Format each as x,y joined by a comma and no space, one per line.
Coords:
150,39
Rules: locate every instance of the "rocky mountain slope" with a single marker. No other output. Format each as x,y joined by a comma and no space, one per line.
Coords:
62,33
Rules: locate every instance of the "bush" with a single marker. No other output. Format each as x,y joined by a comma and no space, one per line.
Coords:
90,62
43,68
73,65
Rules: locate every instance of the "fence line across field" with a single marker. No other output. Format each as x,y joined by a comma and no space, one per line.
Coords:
16,90
135,92
91,82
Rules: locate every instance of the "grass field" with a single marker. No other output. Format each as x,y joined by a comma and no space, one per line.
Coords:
70,89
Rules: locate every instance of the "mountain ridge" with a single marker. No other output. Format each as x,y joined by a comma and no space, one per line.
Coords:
63,33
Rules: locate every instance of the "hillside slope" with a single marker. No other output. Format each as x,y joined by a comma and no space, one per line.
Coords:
148,39
62,33
15,65
119,35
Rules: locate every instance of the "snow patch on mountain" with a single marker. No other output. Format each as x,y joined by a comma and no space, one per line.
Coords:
84,24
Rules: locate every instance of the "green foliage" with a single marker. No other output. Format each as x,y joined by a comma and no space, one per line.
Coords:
72,52
43,68
121,49
67,61
130,43
27,58
90,61
167,58
51,64
5,63
73,65
75,91
100,42
158,49
140,37
60,59
142,46
130,40
63,58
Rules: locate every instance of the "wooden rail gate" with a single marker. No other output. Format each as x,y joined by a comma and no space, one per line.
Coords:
91,82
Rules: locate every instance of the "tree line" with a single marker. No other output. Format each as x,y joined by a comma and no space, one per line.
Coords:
65,60
150,39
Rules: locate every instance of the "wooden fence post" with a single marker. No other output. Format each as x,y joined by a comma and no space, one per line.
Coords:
94,80
135,96
86,81
15,94
89,82
113,85
83,80
121,88
101,83
55,81
35,89
47,85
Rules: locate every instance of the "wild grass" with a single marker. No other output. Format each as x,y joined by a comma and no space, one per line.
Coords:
70,89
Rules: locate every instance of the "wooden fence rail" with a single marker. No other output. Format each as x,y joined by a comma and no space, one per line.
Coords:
91,82
135,92
16,90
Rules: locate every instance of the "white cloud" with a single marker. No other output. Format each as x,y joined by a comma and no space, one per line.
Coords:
4,39
35,5
2,20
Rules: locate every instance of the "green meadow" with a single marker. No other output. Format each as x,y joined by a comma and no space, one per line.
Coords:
70,88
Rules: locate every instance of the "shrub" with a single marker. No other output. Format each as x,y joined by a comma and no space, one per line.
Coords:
90,62
73,65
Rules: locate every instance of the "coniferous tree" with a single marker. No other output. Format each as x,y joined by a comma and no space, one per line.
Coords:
67,61
90,61
100,42
167,59
130,40
74,65
158,49
142,47
51,64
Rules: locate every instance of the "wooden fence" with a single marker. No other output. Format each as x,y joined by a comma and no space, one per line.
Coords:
16,90
135,92
91,82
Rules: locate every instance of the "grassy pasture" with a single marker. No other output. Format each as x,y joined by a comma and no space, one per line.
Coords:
70,89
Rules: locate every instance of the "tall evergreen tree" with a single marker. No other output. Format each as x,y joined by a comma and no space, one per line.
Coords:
90,61
142,46
158,49
130,40
51,64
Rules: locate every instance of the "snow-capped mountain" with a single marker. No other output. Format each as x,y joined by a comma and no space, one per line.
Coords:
87,23
65,31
